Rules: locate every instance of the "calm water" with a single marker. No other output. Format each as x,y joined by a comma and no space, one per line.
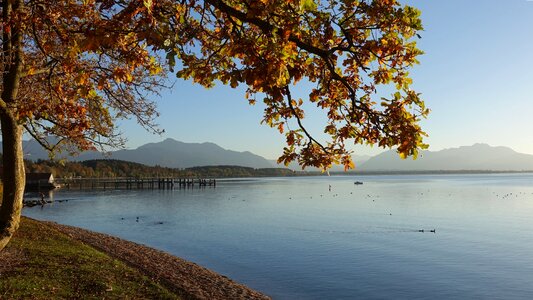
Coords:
295,239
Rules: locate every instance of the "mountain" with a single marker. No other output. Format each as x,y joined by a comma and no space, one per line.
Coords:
475,157
33,150
175,154
169,153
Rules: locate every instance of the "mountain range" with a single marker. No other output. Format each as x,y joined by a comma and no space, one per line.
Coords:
168,153
176,154
476,157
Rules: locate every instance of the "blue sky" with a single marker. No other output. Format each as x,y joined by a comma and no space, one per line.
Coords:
476,76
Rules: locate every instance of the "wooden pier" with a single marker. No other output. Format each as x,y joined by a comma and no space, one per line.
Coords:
133,183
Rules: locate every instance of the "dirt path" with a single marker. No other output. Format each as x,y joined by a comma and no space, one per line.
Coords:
187,279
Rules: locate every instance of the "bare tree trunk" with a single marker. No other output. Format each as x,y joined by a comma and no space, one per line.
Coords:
13,177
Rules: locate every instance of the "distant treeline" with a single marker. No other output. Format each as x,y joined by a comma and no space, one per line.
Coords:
107,168
236,171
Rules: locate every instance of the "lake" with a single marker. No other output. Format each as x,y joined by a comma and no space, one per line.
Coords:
293,238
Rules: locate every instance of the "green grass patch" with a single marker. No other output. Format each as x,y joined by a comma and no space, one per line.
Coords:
42,263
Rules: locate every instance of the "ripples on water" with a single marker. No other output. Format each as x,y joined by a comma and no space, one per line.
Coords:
294,239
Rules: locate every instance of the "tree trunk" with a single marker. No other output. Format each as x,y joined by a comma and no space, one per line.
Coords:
14,178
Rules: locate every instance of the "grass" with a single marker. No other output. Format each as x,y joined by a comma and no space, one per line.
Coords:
42,263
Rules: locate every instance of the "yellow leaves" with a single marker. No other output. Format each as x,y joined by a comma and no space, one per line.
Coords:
283,76
92,94
31,71
73,50
348,164
82,78
155,70
148,5
382,76
308,5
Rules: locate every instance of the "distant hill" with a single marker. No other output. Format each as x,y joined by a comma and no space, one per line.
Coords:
174,154
168,153
110,168
475,157
102,168
33,150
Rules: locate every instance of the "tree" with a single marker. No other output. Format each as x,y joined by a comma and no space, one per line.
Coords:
346,48
72,67
69,69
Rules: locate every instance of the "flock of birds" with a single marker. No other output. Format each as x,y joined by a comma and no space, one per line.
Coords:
330,189
373,200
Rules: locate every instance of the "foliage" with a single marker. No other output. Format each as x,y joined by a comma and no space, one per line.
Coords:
46,264
346,48
86,63
70,68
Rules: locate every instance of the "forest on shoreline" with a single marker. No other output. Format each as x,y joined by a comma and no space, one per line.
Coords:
110,168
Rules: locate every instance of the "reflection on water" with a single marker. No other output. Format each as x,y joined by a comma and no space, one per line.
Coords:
293,238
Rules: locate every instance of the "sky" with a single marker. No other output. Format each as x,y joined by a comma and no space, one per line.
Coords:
476,76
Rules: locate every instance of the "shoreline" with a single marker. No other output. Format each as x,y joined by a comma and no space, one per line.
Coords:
187,279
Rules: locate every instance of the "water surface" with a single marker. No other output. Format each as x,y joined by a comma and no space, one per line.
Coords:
293,238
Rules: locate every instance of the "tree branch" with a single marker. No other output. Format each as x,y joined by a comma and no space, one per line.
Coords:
298,119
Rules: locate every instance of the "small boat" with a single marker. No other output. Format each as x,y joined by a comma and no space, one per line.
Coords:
358,183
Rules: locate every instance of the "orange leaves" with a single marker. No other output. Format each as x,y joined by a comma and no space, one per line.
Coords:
347,162
280,127
102,83
82,78
31,71
101,54
348,49
85,64
122,74
387,2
